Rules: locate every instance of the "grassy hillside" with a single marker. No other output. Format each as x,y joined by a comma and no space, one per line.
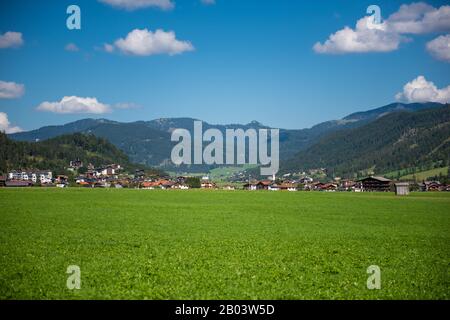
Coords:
395,141
144,244
424,175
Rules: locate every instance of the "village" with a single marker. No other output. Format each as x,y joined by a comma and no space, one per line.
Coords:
113,176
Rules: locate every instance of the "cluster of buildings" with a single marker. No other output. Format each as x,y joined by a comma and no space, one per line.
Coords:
308,184
110,176
42,176
28,178
179,183
368,184
433,186
270,185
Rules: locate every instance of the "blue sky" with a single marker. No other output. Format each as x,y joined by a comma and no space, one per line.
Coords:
252,60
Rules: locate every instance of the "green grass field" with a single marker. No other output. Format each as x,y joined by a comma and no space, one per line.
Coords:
150,244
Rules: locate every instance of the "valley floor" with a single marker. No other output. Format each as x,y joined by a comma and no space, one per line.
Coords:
199,244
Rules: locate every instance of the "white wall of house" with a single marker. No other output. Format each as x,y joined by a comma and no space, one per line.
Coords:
43,177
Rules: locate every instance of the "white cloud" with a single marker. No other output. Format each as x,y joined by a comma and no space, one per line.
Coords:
415,18
108,47
71,47
440,48
361,39
75,104
11,90
145,43
140,4
420,18
11,39
5,125
421,90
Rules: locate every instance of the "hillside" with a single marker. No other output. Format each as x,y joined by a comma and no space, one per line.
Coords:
56,153
148,142
394,141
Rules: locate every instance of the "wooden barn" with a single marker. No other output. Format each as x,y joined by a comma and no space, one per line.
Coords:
375,184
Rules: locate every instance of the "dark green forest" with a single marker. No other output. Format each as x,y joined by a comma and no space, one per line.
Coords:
56,153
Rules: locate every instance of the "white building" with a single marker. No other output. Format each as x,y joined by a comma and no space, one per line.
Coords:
35,177
45,176
14,175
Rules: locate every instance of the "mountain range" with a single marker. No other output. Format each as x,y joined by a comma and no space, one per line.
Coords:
148,142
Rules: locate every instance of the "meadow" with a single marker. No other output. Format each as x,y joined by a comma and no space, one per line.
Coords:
195,244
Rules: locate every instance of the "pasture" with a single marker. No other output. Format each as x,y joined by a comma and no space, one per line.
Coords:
195,244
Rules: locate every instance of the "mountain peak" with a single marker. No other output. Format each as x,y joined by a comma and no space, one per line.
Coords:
255,123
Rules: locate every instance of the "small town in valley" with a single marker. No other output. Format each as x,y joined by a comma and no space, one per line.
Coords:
114,176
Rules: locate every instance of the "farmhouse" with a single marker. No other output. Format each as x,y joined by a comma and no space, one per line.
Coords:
105,171
45,176
167,185
258,185
288,187
252,185
373,183
347,185
75,164
264,185
330,187
430,186
269,185
181,186
206,184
